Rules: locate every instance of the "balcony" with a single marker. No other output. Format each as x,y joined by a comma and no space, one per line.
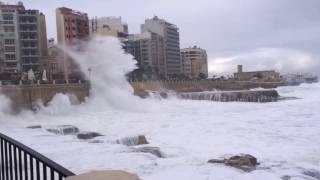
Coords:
28,22
29,55
29,47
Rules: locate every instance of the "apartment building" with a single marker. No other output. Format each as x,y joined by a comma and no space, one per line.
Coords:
195,62
172,67
20,47
71,25
148,49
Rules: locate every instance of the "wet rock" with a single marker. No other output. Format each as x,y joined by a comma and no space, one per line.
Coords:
141,93
64,130
216,161
312,173
245,162
88,135
133,141
163,94
152,150
286,177
35,127
96,141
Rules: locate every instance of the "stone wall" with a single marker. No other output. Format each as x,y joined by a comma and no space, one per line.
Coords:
205,85
25,96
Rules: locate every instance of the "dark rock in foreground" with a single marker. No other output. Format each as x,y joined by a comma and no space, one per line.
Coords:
35,127
244,162
133,141
64,130
88,135
152,150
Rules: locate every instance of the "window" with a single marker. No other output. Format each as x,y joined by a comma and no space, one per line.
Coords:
10,57
10,48
7,17
7,22
8,29
9,41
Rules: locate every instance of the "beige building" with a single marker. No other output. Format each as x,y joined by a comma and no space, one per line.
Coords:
71,25
109,26
195,62
269,75
43,35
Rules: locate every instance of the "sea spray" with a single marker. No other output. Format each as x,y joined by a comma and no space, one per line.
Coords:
105,64
5,106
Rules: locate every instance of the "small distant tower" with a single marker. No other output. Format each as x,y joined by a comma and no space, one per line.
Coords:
240,69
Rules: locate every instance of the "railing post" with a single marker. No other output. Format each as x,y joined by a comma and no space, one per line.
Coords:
13,154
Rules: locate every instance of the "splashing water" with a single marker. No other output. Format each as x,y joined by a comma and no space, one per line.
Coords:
105,64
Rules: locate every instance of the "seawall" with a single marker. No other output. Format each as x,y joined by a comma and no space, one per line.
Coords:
230,96
25,96
198,86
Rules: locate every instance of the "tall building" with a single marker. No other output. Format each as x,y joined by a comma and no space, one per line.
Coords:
109,26
195,62
147,48
43,35
71,25
170,34
20,47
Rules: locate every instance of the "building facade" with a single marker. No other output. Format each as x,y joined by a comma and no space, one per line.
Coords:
71,26
20,41
195,62
172,66
109,26
148,49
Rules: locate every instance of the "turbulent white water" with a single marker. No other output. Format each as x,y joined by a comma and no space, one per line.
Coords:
284,135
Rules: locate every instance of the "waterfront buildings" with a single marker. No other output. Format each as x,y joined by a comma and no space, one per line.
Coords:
172,65
269,75
195,62
21,41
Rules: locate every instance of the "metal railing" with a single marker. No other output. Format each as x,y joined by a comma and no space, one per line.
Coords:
19,162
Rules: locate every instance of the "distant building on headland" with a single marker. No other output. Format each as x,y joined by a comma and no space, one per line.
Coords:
195,62
22,37
269,75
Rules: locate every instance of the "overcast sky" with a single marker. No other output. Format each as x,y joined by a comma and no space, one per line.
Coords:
273,34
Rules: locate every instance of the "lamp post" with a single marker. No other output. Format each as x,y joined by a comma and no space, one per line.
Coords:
89,70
